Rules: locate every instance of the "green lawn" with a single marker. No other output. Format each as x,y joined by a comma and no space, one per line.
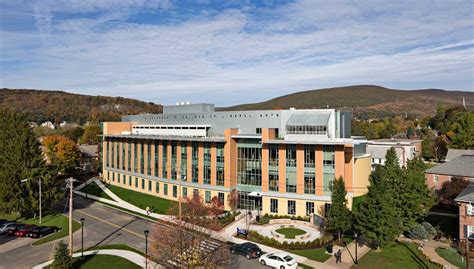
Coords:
452,256
317,254
290,233
102,262
304,266
399,255
142,200
53,219
94,189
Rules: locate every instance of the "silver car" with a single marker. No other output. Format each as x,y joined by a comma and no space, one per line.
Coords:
7,226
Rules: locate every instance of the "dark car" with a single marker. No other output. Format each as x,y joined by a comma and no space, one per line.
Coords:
249,250
25,230
42,231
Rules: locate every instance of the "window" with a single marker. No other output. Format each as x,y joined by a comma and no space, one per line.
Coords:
185,192
148,159
291,207
327,207
149,185
113,177
156,159
175,191
136,182
436,179
165,189
207,164
184,160
274,205
290,155
273,180
258,130
273,155
129,156
309,208
220,196
207,196
143,184
157,187
142,158
164,161
309,156
195,192
195,162
129,181
291,180
309,183
174,169
220,164
249,163
328,168
470,232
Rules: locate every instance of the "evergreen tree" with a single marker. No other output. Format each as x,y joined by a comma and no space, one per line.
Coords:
62,260
21,158
339,216
378,217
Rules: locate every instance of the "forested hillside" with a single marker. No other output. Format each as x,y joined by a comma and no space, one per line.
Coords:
57,106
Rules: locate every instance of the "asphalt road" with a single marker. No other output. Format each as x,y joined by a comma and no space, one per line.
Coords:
102,226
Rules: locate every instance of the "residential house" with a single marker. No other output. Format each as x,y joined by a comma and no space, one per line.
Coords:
462,166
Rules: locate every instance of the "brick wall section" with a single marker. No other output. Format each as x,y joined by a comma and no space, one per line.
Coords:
464,220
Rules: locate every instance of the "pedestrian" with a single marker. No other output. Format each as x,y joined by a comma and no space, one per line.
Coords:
339,257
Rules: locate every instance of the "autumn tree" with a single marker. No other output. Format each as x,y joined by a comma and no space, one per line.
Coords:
233,199
62,153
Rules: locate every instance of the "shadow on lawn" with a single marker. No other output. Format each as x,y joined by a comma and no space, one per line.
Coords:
416,258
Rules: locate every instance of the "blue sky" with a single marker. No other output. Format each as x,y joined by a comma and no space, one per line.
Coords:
230,52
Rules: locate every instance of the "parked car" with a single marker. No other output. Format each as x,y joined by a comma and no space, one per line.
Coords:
25,230
249,250
2,221
279,260
42,231
5,227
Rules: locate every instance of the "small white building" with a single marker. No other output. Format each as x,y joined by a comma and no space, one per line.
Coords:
48,124
406,150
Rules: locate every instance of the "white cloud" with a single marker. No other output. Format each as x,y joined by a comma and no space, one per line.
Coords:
243,55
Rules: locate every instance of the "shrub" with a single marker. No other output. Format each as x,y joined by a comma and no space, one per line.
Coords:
432,231
418,232
61,257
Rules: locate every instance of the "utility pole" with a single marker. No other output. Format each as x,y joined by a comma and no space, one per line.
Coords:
70,184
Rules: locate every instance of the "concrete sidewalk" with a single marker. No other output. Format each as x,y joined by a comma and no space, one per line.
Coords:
126,254
347,261
429,248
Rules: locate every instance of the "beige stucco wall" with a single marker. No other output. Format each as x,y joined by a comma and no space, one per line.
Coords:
362,169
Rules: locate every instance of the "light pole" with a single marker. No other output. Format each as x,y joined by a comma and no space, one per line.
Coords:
356,243
39,183
82,237
70,185
146,248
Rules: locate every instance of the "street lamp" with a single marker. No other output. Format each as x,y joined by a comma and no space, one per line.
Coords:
356,243
146,248
39,183
82,237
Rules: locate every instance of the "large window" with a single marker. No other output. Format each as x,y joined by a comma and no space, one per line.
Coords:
220,164
290,181
165,189
184,159
274,206
273,155
309,208
135,157
164,161
273,181
309,156
220,196
207,196
306,129
174,153
175,191
107,151
328,167
249,163
309,183
195,162
130,181
291,155
207,163
136,182
129,156
122,160
291,207
142,157
157,187
185,192
156,158
149,185
143,184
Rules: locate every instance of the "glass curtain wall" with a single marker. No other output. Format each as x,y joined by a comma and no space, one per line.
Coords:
207,163
273,171
249,163
291,168
220,164
184,159
309,169
195,162
328,168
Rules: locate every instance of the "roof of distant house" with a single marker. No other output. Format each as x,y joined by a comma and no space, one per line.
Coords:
89,150
454,153
394,141
460,166
380,152
467,195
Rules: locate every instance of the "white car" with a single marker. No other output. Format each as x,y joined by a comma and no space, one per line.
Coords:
7,226
279,260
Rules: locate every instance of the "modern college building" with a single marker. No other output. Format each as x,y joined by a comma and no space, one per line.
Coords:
280,161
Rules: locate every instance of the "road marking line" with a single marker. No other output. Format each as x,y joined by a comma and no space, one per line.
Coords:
111,224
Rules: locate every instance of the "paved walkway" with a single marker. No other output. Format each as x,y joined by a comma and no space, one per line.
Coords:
126,254
347,261
270,229
429,250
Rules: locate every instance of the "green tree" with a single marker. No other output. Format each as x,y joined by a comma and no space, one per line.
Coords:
91,135
62,260
21,158
378,217
339,217
464,132
414,197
